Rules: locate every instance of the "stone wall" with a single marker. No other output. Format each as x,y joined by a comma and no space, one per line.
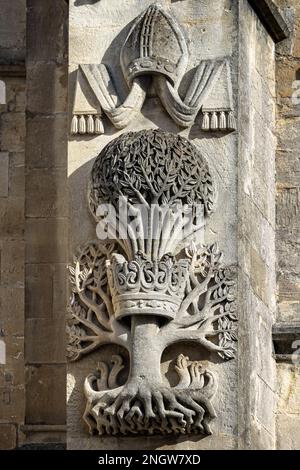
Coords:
288,221
256,232
12,222
33,213
46,212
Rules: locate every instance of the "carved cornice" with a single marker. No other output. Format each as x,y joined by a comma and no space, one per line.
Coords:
271,18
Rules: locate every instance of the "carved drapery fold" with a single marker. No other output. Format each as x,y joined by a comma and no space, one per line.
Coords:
155,51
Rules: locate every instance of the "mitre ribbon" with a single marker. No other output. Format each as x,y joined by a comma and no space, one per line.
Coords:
210,91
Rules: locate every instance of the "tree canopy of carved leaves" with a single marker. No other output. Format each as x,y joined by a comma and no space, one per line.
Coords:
152,167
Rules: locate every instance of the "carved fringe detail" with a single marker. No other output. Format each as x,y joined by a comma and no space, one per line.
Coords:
74,125
205,123
87,124
222,121
231,121
99,128
90,125
218,120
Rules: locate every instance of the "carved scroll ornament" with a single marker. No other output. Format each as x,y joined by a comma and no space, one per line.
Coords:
155,51
145,294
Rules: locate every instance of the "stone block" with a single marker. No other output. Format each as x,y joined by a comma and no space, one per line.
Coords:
46,40
12,217
51,280
8,436
12,403
288,436
12,132
12,263
288,209
15,95
17,175
13,370
12,25
46,240
4,165
288,380
39,291
60,283
12,310
45,392
45,340
46,142
51,97
46,193
287,161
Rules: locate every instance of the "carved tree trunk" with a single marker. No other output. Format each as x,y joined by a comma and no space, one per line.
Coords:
146,353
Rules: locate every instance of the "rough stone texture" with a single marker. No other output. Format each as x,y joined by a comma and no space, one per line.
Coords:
8,435
46,216
288,167
12,31
12,254
288,412
288,218
256,212
46,390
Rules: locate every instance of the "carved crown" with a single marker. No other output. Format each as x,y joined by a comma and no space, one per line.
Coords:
144,287
155,44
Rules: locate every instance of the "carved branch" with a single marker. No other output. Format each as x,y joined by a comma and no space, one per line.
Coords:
81,290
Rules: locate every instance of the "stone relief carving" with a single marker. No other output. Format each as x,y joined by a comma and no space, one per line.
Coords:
155,51
144,291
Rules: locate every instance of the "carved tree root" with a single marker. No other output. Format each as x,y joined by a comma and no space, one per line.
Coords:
141,408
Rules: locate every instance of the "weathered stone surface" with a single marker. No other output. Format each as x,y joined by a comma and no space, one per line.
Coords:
17,175
4,165
12,402
12,263
42,99
54,33
288,437
256,226
288,379
13,371
46,141
12,299
46,240
45,392
46,193
12,132
12,217
8,436
15,95
45,340
51,280
39,279
288,166
12,30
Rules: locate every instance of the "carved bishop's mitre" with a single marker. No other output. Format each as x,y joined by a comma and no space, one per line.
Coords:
154,45
144,287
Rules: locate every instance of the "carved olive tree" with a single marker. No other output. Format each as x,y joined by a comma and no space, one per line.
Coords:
150,287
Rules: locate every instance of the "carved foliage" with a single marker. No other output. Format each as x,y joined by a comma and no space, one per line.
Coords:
152,167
